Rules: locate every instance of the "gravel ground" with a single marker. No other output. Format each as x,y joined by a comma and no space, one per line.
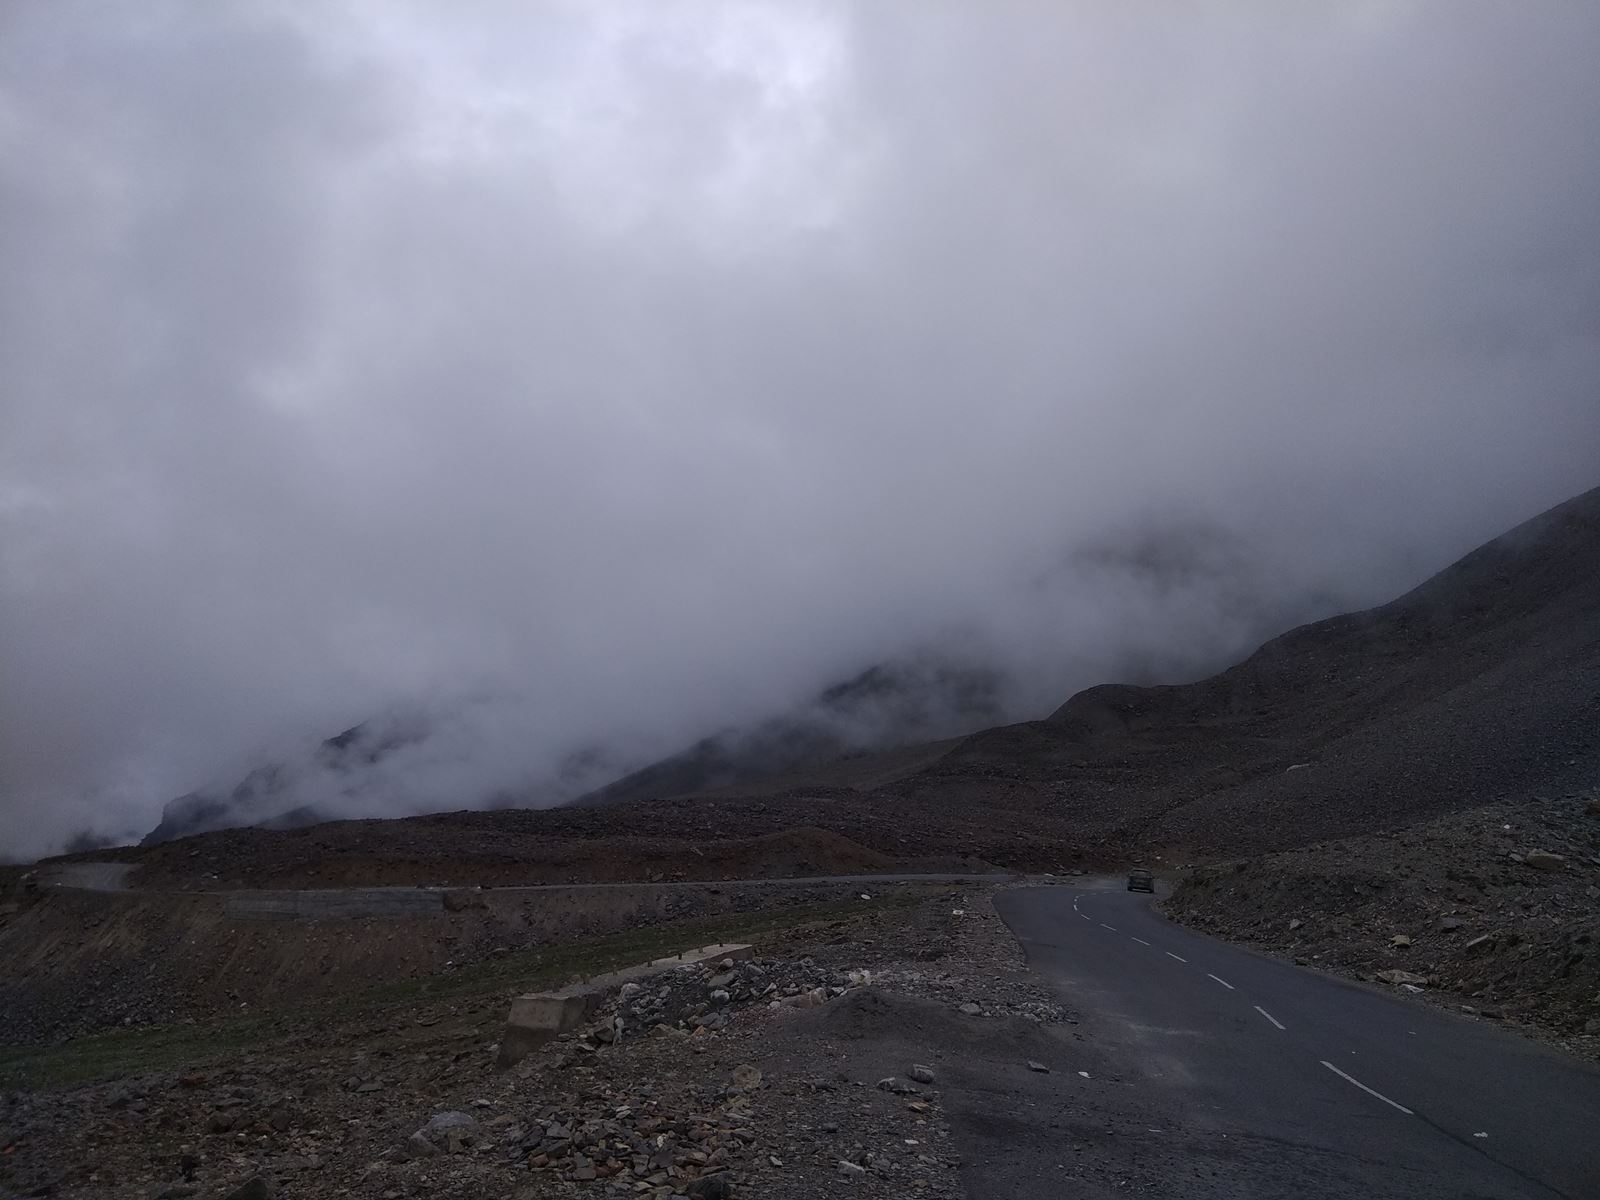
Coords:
1494,911
775,1095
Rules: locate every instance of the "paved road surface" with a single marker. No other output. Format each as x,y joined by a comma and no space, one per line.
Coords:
413,901
1240,1076
112,877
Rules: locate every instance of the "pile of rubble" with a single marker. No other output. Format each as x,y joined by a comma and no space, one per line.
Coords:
636,1138
700,997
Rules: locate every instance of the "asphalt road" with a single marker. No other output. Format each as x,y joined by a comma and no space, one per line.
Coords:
112,877
1199,1069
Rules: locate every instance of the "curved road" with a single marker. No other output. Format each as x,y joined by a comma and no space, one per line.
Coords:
1246,1076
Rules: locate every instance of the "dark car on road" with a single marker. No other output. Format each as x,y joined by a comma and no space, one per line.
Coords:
1140,880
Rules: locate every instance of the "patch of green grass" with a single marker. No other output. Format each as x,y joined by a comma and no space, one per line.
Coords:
162,1048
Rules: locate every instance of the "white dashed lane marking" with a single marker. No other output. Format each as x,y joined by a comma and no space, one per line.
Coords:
1277,1023
1366,1089
1269,1016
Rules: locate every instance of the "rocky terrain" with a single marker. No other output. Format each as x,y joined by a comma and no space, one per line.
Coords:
1494,911
817,1064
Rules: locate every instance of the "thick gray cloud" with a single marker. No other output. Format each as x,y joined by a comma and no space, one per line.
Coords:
611,372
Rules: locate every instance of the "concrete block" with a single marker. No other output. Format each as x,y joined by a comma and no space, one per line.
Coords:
538,1017
716,953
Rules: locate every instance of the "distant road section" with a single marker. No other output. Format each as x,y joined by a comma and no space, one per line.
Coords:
335,903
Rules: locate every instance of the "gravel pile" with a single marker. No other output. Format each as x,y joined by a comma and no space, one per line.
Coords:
703,996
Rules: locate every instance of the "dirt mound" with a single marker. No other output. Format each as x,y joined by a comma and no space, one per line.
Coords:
874,1014
1497,909
871,1012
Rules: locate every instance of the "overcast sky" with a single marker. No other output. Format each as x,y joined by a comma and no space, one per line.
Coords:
633,368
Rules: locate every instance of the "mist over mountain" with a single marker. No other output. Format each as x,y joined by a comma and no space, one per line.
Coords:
1191,599
593,382
355,772
1205,591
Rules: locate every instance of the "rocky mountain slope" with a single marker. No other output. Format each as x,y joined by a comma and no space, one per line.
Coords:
1480,686
889,705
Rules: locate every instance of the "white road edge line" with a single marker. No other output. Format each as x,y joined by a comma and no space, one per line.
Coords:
1103,925
1179,957
1222,981
1365,1088
1086,916
1269,1016
1141,941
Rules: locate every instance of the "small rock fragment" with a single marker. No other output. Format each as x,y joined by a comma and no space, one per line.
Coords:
1543,860
746,1077
1398,977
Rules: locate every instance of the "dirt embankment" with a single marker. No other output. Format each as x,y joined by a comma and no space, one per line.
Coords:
77,962
1495,910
